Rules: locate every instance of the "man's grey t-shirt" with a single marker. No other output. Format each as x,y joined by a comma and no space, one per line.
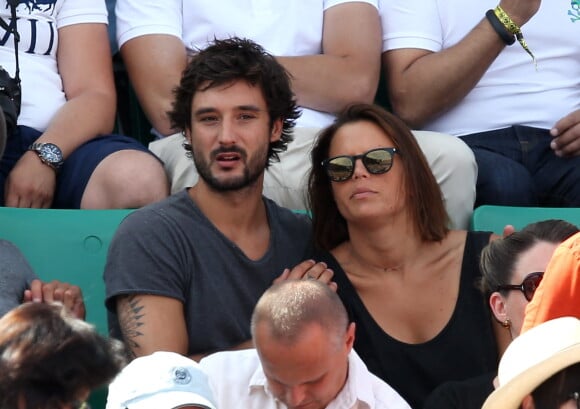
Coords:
171,249
15,276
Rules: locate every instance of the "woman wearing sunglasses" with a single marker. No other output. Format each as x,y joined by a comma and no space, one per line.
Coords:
512,268
406,279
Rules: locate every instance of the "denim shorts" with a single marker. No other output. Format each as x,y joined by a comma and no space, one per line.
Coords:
77,169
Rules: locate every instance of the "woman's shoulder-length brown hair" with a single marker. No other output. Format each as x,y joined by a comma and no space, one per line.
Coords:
423,193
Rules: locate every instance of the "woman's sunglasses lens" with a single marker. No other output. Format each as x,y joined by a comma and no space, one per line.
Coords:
530,285
340,168
378,161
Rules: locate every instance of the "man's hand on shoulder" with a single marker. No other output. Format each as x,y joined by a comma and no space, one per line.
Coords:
309,270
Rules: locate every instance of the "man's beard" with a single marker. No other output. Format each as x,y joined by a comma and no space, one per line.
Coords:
253,169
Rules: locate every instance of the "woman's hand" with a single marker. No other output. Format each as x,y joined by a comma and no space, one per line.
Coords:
68,295
309,270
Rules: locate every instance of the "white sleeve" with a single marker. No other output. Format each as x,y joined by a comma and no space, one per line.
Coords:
329,3
411,24
136,18
82,11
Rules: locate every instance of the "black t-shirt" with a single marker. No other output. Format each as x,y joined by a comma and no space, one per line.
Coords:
171,249
468,394
465,347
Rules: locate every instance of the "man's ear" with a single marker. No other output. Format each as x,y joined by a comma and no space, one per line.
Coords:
498,307
350,334
276,131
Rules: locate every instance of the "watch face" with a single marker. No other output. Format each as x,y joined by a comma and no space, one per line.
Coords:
48,153
51,153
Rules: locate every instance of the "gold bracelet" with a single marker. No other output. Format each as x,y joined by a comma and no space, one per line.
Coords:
514,29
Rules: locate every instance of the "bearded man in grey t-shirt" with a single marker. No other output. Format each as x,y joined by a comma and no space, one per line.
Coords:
184,274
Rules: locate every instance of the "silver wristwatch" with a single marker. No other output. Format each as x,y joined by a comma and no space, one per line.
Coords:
48,153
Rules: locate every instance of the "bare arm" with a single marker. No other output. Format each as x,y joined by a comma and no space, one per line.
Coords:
152,323
87,77
348,69
423,84
84,63
155,63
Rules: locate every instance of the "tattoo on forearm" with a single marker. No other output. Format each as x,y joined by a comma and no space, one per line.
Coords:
130,319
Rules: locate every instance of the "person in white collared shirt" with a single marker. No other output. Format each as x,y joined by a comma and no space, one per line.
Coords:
303,357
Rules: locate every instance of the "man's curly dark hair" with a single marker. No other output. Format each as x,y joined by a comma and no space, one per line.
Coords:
235,59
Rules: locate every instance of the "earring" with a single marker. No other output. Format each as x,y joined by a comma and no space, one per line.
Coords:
506,323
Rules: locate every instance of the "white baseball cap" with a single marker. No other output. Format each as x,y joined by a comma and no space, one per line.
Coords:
162,380
532,358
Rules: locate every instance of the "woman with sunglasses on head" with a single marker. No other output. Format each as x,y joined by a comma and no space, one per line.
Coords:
512,268
406,279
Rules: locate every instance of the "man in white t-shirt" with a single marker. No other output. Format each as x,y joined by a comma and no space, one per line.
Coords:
59,149
303,357
330,47
451,69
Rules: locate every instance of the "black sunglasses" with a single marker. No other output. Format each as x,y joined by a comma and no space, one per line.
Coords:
376,161
528,286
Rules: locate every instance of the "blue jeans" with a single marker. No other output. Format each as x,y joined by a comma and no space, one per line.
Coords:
517,167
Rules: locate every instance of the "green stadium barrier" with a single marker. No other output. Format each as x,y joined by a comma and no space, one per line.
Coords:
70,246
495,218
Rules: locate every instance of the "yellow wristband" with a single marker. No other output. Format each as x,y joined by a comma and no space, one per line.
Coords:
514,29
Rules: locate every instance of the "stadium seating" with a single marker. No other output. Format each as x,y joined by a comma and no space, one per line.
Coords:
67,245
71,246
495,218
